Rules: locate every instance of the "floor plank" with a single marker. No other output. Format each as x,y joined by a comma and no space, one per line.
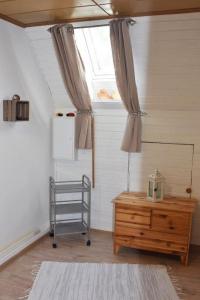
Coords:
16,276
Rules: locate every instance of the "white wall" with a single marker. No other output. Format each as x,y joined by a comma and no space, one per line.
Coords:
167,67
25,161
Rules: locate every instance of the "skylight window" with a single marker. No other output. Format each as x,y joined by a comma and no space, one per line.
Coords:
95,49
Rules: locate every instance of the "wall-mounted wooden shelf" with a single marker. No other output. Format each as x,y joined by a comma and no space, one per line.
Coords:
15,110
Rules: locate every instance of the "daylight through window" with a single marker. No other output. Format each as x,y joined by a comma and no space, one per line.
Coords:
95,49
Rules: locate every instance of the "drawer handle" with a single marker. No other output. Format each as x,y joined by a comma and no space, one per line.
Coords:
171,227
135,214
163,216
141,233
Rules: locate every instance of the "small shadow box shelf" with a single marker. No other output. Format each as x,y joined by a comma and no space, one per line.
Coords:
15,110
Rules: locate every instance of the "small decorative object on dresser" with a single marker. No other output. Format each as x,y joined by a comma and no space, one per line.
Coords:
155,190
162,227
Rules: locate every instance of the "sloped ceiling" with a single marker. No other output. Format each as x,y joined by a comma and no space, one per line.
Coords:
27,13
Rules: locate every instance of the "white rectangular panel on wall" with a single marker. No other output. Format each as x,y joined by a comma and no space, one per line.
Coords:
64,138
174,161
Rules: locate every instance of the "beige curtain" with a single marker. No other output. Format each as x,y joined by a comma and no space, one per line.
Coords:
73,73
125,78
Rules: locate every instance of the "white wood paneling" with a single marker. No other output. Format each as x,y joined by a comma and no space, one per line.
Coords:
167,67
177,170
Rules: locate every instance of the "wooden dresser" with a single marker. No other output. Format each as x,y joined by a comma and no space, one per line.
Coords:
162,227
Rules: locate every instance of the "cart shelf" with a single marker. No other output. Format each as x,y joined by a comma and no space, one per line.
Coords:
70,227
71,208
71,188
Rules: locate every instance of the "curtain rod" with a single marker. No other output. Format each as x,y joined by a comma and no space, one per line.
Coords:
130,21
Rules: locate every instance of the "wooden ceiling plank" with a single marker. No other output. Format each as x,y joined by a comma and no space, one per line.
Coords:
11,20
152,4
53,10
101,7
100,2
34,24
23,6
126,12
60,14
139,7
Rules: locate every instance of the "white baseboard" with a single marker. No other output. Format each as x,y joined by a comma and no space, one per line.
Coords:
17,247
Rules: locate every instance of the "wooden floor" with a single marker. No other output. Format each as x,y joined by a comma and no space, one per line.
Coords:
16,276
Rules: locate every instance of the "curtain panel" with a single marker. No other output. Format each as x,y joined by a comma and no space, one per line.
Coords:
73,74
125,78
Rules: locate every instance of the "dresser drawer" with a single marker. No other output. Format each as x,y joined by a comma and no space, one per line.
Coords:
161,246
133,216
121,230
173,222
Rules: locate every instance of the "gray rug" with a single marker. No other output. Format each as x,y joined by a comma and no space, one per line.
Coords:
88,281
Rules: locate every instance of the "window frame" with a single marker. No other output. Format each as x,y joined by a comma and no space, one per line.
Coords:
83,35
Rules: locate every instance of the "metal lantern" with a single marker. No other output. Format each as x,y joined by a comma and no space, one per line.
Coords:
155,191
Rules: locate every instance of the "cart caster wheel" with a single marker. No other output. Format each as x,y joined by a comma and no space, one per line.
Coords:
54,245
83,233
51,233
88,243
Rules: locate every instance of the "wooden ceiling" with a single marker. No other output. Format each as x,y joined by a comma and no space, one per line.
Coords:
27,13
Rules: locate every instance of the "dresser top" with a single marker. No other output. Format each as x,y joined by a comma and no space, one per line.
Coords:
169,203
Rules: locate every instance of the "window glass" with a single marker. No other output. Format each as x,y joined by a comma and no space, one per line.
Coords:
95,49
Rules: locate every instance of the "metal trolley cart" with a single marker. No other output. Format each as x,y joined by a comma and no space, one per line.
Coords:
63,213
